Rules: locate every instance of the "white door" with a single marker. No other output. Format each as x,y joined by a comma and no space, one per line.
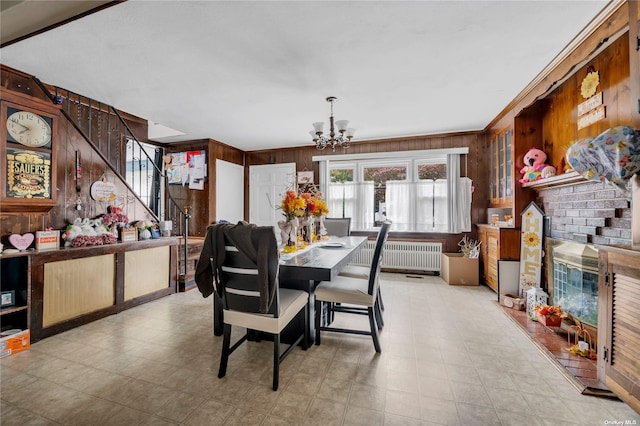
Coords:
229,191
267,185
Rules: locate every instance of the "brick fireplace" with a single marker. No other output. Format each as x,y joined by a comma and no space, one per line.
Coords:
587,212
573,269
582,216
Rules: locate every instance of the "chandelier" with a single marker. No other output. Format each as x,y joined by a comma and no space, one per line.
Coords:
343,138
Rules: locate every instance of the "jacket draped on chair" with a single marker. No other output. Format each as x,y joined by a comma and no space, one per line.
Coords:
256,242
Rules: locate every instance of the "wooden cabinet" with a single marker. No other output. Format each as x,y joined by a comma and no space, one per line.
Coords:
618,319
74,286
501,168
14,283
496,244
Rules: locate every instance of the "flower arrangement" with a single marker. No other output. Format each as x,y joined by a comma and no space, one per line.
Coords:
305,203
548,315
321,206
548,310
109,219
292,205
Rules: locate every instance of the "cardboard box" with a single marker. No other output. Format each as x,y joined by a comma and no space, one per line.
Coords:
458,270
15,343
47,240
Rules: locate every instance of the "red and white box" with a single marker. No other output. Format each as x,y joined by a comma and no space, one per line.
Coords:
47,240
15,343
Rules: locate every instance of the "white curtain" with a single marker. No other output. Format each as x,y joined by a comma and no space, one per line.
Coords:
459,195
431,206
464,204
354,200
398,196
441,204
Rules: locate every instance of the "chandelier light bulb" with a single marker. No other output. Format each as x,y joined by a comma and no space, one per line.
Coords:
342,138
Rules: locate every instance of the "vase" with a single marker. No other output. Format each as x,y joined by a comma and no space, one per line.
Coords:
306,230
550,320
144,234
319,229
288,234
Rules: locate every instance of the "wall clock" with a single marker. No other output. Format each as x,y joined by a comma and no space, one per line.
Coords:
28,128
28,165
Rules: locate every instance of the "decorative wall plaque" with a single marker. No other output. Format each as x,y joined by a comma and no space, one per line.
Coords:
28,174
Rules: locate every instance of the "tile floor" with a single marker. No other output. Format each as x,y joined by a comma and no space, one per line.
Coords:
450,356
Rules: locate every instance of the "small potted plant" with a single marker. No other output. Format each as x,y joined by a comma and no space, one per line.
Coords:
549,315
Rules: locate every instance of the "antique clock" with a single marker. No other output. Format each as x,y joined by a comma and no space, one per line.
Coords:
27,171
28,128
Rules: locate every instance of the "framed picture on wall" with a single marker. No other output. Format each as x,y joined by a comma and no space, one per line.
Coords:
305,177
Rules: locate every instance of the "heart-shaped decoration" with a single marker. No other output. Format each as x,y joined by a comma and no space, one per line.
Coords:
21,242
613,156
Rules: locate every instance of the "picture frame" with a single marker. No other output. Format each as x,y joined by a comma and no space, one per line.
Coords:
7,298
305,177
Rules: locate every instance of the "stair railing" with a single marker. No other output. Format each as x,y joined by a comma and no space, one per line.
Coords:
104,135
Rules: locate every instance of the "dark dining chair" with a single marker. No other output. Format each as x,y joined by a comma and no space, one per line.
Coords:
338,226
354,296
241,286
362,272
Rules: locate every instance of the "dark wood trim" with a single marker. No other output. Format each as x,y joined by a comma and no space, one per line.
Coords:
61,23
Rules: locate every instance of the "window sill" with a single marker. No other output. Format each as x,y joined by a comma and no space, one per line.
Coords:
558,180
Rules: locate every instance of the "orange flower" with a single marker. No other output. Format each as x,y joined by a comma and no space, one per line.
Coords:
548,310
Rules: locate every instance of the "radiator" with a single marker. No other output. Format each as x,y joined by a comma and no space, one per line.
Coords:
403,255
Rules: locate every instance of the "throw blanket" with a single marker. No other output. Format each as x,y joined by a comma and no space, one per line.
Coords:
258,243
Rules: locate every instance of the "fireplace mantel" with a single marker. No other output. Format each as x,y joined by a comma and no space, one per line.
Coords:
563,179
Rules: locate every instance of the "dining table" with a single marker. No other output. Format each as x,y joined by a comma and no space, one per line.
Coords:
304,270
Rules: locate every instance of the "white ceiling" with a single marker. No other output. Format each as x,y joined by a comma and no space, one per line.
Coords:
255,74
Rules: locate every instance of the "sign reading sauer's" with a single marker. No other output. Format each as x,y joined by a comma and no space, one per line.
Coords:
28,174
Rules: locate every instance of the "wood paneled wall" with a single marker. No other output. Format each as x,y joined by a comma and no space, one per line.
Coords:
472,165
559,114
67,141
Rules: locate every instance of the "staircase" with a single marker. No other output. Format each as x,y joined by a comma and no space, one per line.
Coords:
111,133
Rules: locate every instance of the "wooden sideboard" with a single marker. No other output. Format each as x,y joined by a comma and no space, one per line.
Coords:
619,322
70,287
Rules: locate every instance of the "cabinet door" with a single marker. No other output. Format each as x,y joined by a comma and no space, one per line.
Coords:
501,173
622,336
493,251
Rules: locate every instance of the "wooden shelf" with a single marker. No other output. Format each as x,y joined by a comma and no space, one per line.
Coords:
12,309
558,180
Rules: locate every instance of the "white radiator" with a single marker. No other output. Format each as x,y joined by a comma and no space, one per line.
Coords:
403,255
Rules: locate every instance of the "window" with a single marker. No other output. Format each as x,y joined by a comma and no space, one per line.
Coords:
380,175
142,176
419,191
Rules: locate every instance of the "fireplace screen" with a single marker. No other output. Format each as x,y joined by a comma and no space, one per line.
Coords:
575,280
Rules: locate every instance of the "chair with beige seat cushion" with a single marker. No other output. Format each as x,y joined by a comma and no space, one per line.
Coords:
239,287
362,272
338,226
354,295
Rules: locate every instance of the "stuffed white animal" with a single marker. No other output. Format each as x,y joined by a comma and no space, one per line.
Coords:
72,231
87,228
99,227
